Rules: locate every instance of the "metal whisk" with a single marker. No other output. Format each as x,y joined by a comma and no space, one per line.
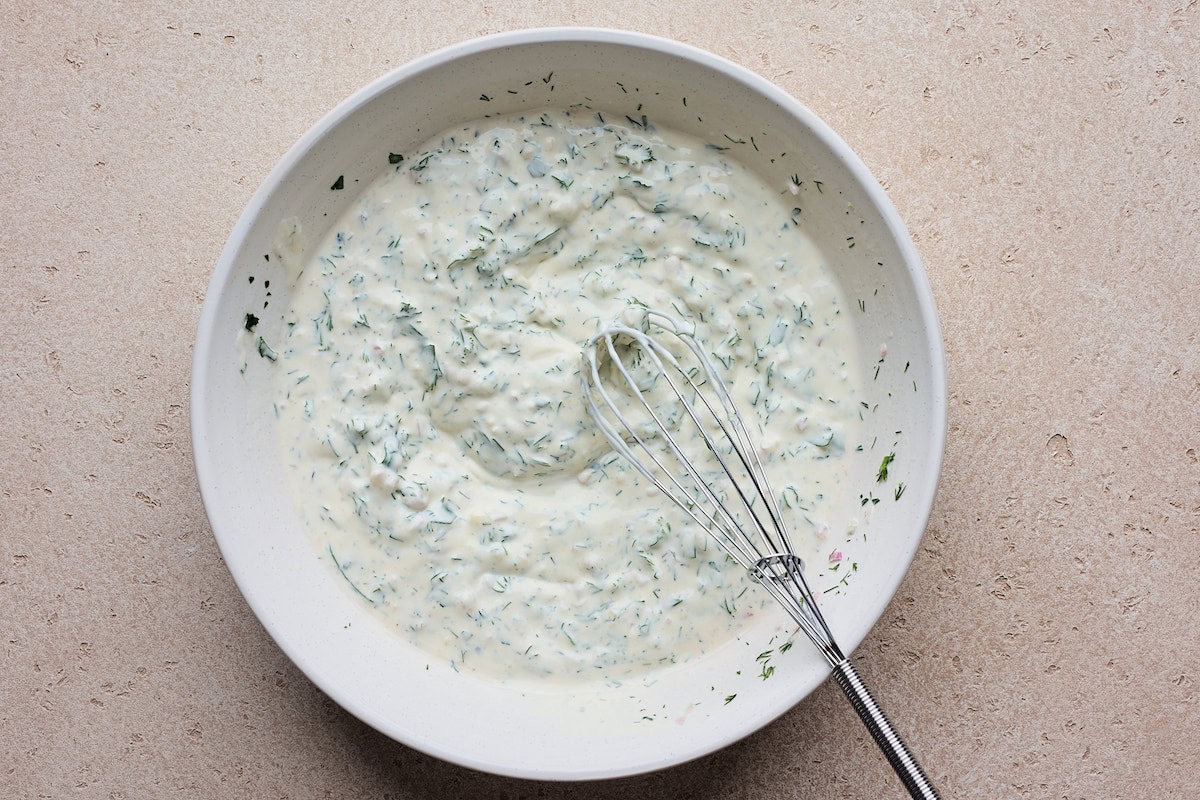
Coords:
720,483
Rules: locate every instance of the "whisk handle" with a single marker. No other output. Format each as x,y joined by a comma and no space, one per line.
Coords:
907,768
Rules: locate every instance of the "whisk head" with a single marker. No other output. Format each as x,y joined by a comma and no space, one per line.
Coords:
656,394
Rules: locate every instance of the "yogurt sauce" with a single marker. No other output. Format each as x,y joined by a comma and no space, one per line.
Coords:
429,390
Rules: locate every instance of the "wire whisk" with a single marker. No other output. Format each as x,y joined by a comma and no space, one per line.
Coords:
661,403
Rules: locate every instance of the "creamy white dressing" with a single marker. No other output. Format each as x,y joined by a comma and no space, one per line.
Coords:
429,390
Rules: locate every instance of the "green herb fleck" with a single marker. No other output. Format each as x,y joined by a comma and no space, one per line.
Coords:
434,365
339,184
265,350
338,564
251,322
883,467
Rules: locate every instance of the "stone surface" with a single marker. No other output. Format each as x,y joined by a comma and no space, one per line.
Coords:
1046,157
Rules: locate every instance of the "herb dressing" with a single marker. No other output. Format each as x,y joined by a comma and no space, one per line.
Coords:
429,403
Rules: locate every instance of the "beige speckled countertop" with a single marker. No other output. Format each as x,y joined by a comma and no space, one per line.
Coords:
1046,157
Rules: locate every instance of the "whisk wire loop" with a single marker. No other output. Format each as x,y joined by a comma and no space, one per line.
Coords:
700,500
710,514
709,421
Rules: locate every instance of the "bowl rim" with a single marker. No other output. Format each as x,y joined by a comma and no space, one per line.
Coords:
836,146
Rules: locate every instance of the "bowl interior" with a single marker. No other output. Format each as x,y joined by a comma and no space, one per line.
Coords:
596,731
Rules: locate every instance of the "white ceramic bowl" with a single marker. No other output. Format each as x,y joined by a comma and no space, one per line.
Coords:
559,733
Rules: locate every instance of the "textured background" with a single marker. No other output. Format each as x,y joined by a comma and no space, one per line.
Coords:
1046,156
